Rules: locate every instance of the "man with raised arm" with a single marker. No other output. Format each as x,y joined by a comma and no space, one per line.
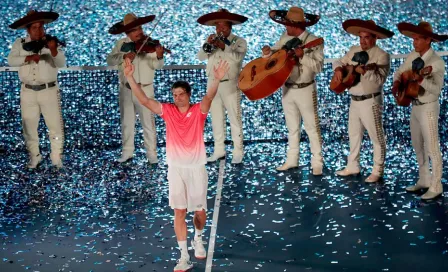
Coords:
186,158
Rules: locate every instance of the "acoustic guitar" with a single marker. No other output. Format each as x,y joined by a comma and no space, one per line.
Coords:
409,86
263,76
349,77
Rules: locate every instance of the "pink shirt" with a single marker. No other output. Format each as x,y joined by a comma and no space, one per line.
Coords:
184,135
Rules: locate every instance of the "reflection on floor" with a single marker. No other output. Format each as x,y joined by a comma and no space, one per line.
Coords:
96,215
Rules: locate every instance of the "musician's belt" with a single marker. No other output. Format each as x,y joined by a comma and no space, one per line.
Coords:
298,85
224,80
364,97
41,86
129,86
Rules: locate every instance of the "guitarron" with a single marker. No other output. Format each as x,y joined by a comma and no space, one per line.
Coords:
263,76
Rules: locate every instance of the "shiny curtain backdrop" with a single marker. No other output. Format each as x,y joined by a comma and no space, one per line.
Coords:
84,24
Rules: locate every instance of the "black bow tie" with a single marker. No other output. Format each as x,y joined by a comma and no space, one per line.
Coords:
361,57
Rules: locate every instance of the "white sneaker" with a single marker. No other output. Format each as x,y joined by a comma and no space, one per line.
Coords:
199,250
216,156
183,265
34,161
125,157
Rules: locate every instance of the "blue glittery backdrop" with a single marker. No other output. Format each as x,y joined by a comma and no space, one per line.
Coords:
84,24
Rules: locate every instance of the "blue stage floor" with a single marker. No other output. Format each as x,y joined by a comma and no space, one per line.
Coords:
97,215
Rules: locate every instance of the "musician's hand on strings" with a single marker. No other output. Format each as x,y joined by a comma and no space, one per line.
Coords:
159,51
130,56
418,77
266,50
52,45
360,69
338,74
128,67
299,52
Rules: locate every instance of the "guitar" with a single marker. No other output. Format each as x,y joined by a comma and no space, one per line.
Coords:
263,76
349,77
409,86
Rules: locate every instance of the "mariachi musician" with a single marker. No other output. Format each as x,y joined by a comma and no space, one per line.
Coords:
366,106
299,91
224,45
39,56
146,55
425,107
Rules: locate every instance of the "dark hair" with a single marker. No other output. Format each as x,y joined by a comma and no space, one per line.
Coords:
182,84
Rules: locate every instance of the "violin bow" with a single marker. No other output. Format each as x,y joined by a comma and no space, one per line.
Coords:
51,6
152,30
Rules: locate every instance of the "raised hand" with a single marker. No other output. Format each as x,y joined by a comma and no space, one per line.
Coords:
159,51
360,69
221,69
128,67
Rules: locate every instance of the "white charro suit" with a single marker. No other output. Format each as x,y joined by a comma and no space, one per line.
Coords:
145,66
40,94
366,108
425,122
300,100
228,96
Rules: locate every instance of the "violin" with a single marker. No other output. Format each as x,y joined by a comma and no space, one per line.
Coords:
141,46
38,45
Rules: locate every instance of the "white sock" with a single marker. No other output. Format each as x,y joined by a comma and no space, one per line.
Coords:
198,234
183,249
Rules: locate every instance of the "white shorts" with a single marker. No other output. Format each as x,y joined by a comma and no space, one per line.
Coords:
188,188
